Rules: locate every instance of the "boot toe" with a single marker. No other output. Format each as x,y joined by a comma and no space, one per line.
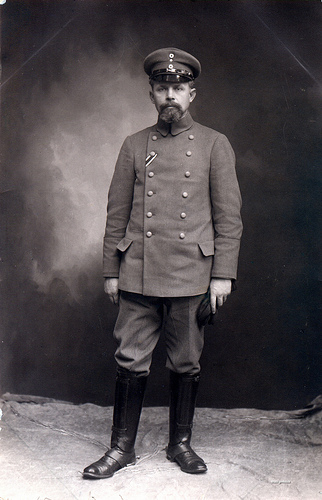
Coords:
105,467
186,458
191,463
113,460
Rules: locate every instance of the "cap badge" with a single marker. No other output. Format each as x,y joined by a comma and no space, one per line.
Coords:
170,65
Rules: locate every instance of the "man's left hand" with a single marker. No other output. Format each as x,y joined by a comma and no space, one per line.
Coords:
219,290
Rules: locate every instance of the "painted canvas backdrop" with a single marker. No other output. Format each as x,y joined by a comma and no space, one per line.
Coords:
72,88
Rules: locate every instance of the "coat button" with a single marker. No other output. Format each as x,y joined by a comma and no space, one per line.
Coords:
187,174
183,215
151,174
149,234
184,194
191,137
150,193
154,138
188,153
149,214
182,236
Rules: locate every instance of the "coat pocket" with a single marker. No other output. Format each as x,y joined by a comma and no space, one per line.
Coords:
207,248
124,244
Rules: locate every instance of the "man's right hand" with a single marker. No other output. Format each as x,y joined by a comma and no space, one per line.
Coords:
111,287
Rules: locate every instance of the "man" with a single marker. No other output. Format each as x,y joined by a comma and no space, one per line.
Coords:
172,235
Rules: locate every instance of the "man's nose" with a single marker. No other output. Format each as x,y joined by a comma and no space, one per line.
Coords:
170,95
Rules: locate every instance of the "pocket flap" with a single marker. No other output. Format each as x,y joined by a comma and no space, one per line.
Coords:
207,248
124,244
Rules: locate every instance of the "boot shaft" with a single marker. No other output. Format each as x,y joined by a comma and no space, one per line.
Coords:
129,395
183,395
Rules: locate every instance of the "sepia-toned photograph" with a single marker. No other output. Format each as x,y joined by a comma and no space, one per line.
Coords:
160,235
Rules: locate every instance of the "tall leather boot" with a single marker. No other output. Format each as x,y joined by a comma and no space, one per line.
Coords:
183,395
129,394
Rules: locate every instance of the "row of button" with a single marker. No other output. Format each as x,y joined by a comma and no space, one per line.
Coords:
153,155
187,174
155,137
184,194
182,236
183,215
150,193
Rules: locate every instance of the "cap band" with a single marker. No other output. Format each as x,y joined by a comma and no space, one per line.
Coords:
169,74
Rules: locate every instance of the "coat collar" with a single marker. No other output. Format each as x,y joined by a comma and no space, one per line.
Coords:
175,128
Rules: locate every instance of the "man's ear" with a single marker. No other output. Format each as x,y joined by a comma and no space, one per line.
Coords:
193,94
151,96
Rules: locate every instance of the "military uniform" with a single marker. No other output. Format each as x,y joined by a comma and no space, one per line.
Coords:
174,219
173,223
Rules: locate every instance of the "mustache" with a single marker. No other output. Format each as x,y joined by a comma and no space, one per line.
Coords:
170,105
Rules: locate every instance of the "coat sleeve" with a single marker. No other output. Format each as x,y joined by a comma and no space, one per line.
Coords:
226,205
118,208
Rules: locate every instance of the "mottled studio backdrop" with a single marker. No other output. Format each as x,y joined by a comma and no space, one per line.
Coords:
72,88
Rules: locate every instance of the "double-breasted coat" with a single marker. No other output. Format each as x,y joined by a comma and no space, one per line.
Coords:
173,216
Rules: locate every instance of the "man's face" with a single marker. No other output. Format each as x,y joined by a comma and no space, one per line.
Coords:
172,100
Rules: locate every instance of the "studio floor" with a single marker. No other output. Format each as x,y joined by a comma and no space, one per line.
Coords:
251,454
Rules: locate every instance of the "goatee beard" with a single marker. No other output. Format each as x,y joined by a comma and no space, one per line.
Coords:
170,113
